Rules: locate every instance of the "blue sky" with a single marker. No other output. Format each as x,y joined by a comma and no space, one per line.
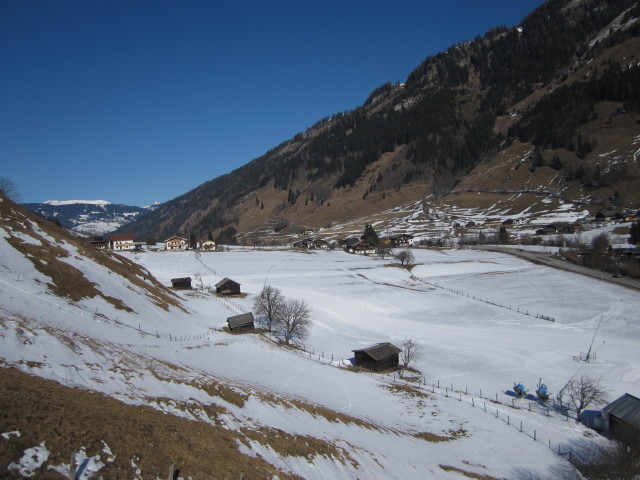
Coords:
136,101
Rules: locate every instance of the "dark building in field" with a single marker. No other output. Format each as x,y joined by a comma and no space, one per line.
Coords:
181,283
622,415
227,286
241,323
382,356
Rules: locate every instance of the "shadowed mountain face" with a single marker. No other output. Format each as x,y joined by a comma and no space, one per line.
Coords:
549,107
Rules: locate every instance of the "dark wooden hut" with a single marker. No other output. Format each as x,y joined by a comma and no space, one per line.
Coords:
181,283
241,323
227,286
622,415
382,356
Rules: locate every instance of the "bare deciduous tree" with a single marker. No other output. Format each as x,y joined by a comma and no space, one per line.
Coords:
383,251
295,321
9,189
405,257
584,391
268,307
410,350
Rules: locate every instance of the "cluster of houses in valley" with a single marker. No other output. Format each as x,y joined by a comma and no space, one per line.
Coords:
357,245
129,242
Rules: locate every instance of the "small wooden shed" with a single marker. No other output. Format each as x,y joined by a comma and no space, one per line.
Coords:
622,414
227,286
241,323
181,283
382,356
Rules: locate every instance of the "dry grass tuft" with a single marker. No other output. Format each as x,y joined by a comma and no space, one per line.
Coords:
406,390
435,438
304,446
477,476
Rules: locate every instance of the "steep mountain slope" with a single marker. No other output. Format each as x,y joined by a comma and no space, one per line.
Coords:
88,218
557,95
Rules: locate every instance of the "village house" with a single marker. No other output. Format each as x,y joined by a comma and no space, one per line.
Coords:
100,243
308,231
183,283
122,241
241,323
227,286
208,246
402,240
311,244
492,222
175,243
306,243
359,247
382,356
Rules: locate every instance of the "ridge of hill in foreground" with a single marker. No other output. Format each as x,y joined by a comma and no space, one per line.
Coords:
548,108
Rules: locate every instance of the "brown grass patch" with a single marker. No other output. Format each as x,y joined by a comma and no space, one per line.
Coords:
435,438
319,411
225,392
477,476
406,390
67,419
305,446
66,280
237,295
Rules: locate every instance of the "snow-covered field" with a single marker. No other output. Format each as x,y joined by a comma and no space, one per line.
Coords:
469,345
474,314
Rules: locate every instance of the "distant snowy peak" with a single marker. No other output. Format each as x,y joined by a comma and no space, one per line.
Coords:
88,217
58,203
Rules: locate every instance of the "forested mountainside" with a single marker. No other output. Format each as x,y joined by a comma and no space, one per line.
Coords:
558,95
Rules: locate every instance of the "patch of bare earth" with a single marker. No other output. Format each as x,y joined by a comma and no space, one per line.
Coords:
68,419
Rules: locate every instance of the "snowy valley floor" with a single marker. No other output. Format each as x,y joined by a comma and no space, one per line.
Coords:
477,316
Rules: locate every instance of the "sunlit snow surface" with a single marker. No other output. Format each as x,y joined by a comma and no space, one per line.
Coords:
474,313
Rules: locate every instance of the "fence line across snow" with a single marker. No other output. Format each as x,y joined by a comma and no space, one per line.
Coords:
484,300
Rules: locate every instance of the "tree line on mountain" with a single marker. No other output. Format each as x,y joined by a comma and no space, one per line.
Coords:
443,118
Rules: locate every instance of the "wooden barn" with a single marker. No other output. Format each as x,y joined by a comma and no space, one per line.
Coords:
241,323
382,356
622,414
227,286
181,283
